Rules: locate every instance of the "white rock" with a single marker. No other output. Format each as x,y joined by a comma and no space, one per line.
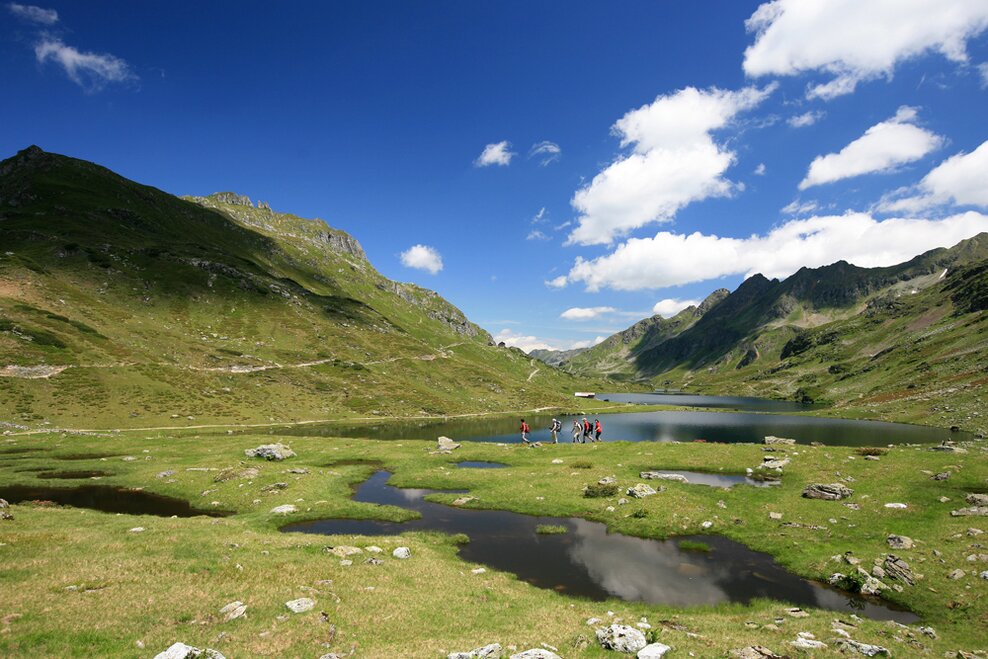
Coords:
535,653
373,549
342,551
478,570
183,651
137,529
653,651
402,552
807,644
706,525
621,638
446,444
641,490
896,506
233,610
866,649
557,461
270,452
492,651
286,509
301,605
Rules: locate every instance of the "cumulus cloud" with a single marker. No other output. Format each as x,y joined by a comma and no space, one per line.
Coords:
33,14
854,40
882,148
670,307
673,161
558,282
529,343
586,313
670,259
498,153
805,119
961,179
589,343
91,71
547,152
422,257
760,170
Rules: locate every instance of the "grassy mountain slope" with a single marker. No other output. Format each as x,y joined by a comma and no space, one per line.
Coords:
121,302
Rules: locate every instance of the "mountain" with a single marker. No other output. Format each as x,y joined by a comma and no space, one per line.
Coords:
839,333
555,357
123,305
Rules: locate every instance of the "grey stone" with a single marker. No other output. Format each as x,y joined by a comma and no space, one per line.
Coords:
899,541
807,644
755,652
342,551
653,651
977,499
657,475
775,516
301,605
286,509
640,491
898,569
402,552
827,492
866,649
535,653
957,574
183,651
233,610
621,638
779,441
942,476
607,480
973,511
165,474
446,444
270,452
492,651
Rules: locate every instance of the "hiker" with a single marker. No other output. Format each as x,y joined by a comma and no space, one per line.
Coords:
577,431
587,429
598,430
524,431
554,428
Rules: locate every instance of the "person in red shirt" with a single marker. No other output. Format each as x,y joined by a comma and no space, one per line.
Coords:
598,430
524,431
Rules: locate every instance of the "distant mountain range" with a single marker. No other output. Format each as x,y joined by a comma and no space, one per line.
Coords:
121,305
839,333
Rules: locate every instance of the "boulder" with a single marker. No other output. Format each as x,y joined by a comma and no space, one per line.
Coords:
977,499
755,652
286,509
233,610
621,638
783,441
806,641
653,651
183,651
866,649
402,552
492,651
899,541
270,452
641,491
769,462
827,492
301,605
535,653
973,511
659,476
957,574
898,569
872,586
942,476
446,444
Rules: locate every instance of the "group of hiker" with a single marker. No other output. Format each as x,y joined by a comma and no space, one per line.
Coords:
582,431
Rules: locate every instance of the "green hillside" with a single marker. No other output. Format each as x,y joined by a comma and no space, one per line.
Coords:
123,305
908,341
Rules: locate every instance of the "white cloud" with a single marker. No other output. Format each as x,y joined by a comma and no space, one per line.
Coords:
670,259
498,153
547,152
797,207
529,343
34,14
587,344
558,282
422,257
673,161
586,313
535,234
805,119
91,71
983,70
669,307
882,148
961,179
857,40
760,170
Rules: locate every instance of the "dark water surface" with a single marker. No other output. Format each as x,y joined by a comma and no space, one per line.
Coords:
740,403
730,427
106,499
587,561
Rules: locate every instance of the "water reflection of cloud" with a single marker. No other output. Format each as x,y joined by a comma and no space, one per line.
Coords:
647,570
412,494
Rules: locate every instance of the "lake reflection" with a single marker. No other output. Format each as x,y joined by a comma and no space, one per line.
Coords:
588,561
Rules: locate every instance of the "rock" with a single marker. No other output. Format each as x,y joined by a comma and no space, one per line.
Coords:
274,487
898,569
774,463
775,516
928,631
657,475
896,506
948,447
872,586
977,499
301,605
899,541
957,574
807,644
873,458
779,441
342,551
233,610
621,638
878,572
461,501
607,480
653,651
165,474
984,575
4,504
977,557
827,492
942,476
973,511
402,552
797,612
535,653
706,525
557,461
136,529
446,444
492,651
183,651
755,652
640,491
373,549
861,648
971,531
286,509
270,452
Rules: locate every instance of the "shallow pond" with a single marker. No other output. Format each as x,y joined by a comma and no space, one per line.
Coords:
587,561
716,480
728,427
106,499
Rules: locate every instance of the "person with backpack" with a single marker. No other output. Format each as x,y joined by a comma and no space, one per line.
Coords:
598,430
587,429
577,431
524,431
555,428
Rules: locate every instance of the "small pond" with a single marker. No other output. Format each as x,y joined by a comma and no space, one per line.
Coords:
106,499
741,403
727,427
587,561
716,480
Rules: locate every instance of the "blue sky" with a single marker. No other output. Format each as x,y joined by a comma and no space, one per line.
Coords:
574,166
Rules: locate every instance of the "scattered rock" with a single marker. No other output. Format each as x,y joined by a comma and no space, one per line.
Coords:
783,441
957,574
270,452
653,651
641,490
461,501
899,542
233,610
861,648
755,652
607,480
402,552
775,516
165,474
928,631
898,569
446,444
971,531
948,447
557,461
977,499
942,476
872,586
977,557
896,506
342,551
797,612
706,525
492,651
621,638
183,651
973,511
769,462
807,643
657,475
535,653
301,605
286,509
136,529
827,492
